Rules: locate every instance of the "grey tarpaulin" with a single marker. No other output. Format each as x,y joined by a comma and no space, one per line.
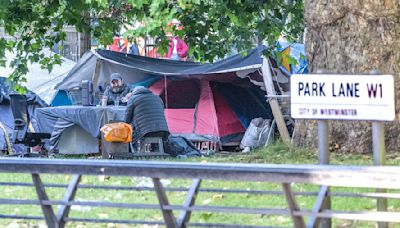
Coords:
134,68
55,120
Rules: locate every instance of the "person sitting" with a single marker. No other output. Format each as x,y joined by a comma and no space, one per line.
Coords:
117,91
145,112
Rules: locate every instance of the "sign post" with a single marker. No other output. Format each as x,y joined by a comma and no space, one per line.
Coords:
345,97
323,159
378,144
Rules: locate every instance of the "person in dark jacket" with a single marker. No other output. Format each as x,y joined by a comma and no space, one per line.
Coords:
145,112
117,90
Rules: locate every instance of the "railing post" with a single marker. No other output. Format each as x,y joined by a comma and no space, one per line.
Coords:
314,221
378,144
48,212
168,215
185,214
298,221
323,158
63,211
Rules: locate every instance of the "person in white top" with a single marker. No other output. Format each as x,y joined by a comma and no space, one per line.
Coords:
174,55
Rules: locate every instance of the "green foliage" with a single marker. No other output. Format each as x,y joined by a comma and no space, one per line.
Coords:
211,28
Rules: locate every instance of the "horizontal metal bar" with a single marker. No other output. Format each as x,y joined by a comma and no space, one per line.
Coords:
19,202
151,206
373,195
26,217
347,215
350,215
131,221
366,176
243,210
80,203
171,207
86,186
219,225
113,221
366,195
223,225
372,216
103,204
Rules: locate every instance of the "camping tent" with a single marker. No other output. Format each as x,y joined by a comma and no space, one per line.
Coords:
203,102
39,80
7,119
203,110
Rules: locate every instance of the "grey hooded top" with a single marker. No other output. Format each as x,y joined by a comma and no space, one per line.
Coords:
112,96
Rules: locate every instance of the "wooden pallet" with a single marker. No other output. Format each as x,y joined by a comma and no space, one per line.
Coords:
206,145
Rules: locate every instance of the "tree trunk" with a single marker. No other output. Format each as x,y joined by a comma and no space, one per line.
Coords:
85,42
84,36
353,37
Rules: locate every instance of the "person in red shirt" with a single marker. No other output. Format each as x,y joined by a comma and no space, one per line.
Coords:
119,45
177,49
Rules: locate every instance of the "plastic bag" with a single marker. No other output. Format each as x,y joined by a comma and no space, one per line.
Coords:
256,134
117,132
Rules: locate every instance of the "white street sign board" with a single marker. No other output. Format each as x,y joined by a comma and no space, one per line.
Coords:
342,97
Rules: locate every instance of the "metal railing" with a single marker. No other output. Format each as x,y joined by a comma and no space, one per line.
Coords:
285,175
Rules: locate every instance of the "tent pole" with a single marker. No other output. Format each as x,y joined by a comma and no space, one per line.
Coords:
166,91
95,77
273,102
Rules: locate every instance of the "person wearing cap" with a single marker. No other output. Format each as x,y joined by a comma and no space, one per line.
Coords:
117,90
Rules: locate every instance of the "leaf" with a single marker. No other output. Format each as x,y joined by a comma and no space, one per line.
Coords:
291,60
206,201
233,18
206,216
217,196
279,56
210,28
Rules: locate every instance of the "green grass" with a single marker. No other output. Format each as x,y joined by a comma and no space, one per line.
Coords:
276,153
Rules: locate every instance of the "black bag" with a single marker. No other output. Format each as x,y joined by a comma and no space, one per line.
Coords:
178,145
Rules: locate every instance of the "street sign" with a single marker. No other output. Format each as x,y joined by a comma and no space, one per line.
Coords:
342,97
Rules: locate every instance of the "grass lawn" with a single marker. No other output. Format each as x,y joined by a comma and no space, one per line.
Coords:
276,153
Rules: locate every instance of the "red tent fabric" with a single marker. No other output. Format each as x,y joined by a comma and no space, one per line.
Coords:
193,108
228,122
